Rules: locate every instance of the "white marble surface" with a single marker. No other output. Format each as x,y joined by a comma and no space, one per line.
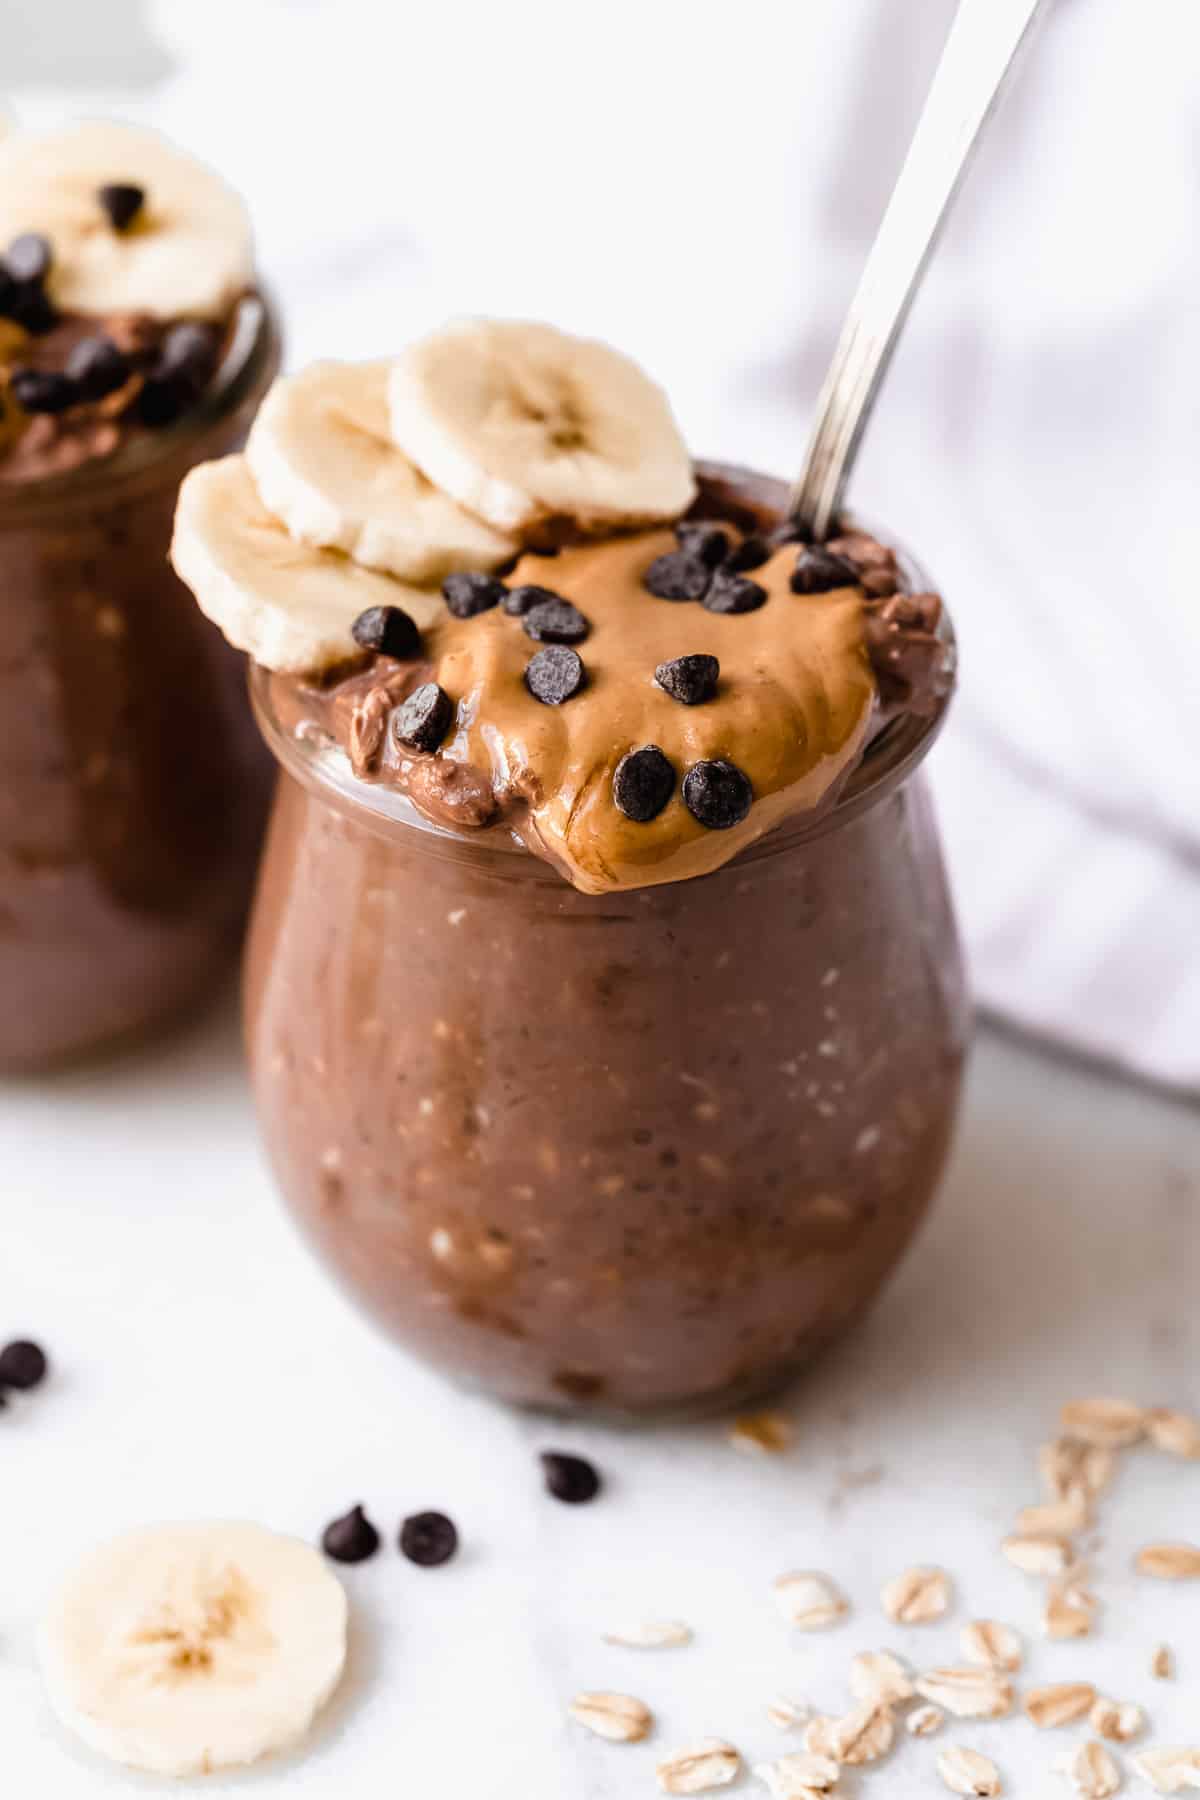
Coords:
204,1367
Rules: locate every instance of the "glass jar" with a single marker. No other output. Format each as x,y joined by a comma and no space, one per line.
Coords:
635,1153
133,785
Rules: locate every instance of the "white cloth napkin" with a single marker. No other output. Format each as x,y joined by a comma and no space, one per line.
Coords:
700,184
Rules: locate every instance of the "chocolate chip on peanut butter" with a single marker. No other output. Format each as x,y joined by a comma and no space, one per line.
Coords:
388,630
703,539
733,593
820,571
643,782
423,720
468,593
122,201
555,621
679,575
751,553
717,794
517,601
689,679
555,675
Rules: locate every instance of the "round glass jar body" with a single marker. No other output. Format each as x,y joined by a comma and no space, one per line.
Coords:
133,785
639,1153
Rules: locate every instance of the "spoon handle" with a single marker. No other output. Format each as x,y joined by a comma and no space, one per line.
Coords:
980,51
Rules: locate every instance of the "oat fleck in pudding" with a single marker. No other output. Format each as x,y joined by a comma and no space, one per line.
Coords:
604,1001
132,788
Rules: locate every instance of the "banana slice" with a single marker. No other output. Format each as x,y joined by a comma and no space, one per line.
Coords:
187,252
520,422
289,605
323,460
183,1648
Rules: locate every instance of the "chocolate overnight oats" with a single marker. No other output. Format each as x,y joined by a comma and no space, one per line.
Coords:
604,1002
133,787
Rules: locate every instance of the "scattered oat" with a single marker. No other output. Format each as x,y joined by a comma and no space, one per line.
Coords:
879,1676
923,1721
654,1634
1056,1518
1170,1562
1059,1704
809,1600
1162,1663
798,1776
1176,1432
991,1645
967,1772
1119,1721
618,1717
917,1597
1070,1610
712,1763
1170,1767
1113,1424
761,1434
861,1736
1090,1770
787,1714
1068,1464
968,1693
1044,1555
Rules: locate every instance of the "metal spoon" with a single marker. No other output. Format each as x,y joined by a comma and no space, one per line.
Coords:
980,51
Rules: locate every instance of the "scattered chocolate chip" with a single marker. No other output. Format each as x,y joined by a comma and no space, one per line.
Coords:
819,571
32,309
643,782
517,601
555,621
43,390
734,594
122,201
23,1365
97,367
678,576
428,1539
751,553
571,1478
717,794
699,537
351,1539
689,679
28,257
186,361
388,630
469,593
786,532
424,718
555,674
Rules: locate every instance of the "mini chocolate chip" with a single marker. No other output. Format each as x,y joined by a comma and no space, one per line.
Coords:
428,1539
97,367
32,309
350,1539
819,571
518,600
734,594
643,782
22,1365
689,679
717,794
43,390
425,717
189,349
677,576
555,674
555,621
28,257
787,532
122,201
700,537
389,630
751,553
569,1478
469,593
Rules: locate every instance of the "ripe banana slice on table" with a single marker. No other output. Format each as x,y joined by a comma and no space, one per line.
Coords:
184,1648
322,458
520,422
187,252
289,605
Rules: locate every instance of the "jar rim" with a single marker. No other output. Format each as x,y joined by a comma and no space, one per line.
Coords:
891,758
253,343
